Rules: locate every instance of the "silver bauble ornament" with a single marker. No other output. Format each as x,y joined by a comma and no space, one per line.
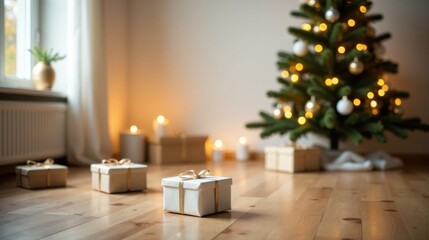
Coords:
312,105
300,48
344,106
332,15
356,67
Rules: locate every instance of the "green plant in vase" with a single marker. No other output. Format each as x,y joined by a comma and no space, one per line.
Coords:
43,74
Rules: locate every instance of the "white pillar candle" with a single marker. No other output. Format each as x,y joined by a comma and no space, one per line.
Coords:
242,153
132,144
160,127
217,151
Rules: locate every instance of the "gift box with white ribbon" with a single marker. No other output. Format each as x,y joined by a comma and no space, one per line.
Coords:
197,194
292,159
41,174
113,176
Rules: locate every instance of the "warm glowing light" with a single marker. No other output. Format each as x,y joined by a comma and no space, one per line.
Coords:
373,103
133,129
308,114
299,67
351,22
374,111
370,95
294,78
380,82
318,48
287,108
292,68
385,88
288,114
306,27
218,144
356,102
242,140
328,82
285,74
361,47
362,9
323,27
341,49
335,80
381,93
160,119
398,101
302,120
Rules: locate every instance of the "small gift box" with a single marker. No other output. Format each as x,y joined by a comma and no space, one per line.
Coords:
41,174
292,159
181,149
113,176
197,194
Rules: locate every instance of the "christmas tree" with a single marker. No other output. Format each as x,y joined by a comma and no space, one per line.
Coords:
335,81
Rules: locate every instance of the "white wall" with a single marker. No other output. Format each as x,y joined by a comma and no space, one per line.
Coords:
207,65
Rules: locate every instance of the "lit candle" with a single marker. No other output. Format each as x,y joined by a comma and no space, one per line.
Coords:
242,153
217,150
160,126
132,144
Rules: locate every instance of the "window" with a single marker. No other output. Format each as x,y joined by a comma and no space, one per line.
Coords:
18,33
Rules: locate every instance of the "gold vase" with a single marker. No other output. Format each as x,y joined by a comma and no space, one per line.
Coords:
43,76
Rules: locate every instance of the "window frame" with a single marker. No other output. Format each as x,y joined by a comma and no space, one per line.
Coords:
34,31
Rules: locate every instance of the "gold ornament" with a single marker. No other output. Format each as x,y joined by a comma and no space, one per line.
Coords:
356,67
312,105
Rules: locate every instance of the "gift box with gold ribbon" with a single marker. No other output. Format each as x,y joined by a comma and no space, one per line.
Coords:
115,176
178,149
197,194
41,174
292,159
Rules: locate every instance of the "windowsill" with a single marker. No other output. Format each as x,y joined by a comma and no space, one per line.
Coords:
16,94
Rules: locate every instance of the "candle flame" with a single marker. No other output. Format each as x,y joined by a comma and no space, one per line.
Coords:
133,129
160,119
242,140
218,143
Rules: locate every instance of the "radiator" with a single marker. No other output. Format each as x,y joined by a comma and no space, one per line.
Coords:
31,130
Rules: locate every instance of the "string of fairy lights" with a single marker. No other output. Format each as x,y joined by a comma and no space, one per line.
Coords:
345,106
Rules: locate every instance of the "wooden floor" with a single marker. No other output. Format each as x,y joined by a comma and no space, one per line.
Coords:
265,205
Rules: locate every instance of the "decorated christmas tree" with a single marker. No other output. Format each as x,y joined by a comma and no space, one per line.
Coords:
335,83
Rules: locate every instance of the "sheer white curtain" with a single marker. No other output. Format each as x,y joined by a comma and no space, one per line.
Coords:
88,137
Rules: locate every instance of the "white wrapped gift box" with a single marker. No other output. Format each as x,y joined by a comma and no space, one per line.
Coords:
118,178
292,159
198,197
33,176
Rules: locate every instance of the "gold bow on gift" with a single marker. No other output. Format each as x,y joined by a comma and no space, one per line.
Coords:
191,174
47,162
112,161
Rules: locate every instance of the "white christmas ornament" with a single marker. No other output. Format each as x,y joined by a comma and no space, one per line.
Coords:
345,106
356,67
300,48
332,15
312,105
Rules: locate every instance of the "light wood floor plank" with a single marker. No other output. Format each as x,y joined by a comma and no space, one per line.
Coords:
265,205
